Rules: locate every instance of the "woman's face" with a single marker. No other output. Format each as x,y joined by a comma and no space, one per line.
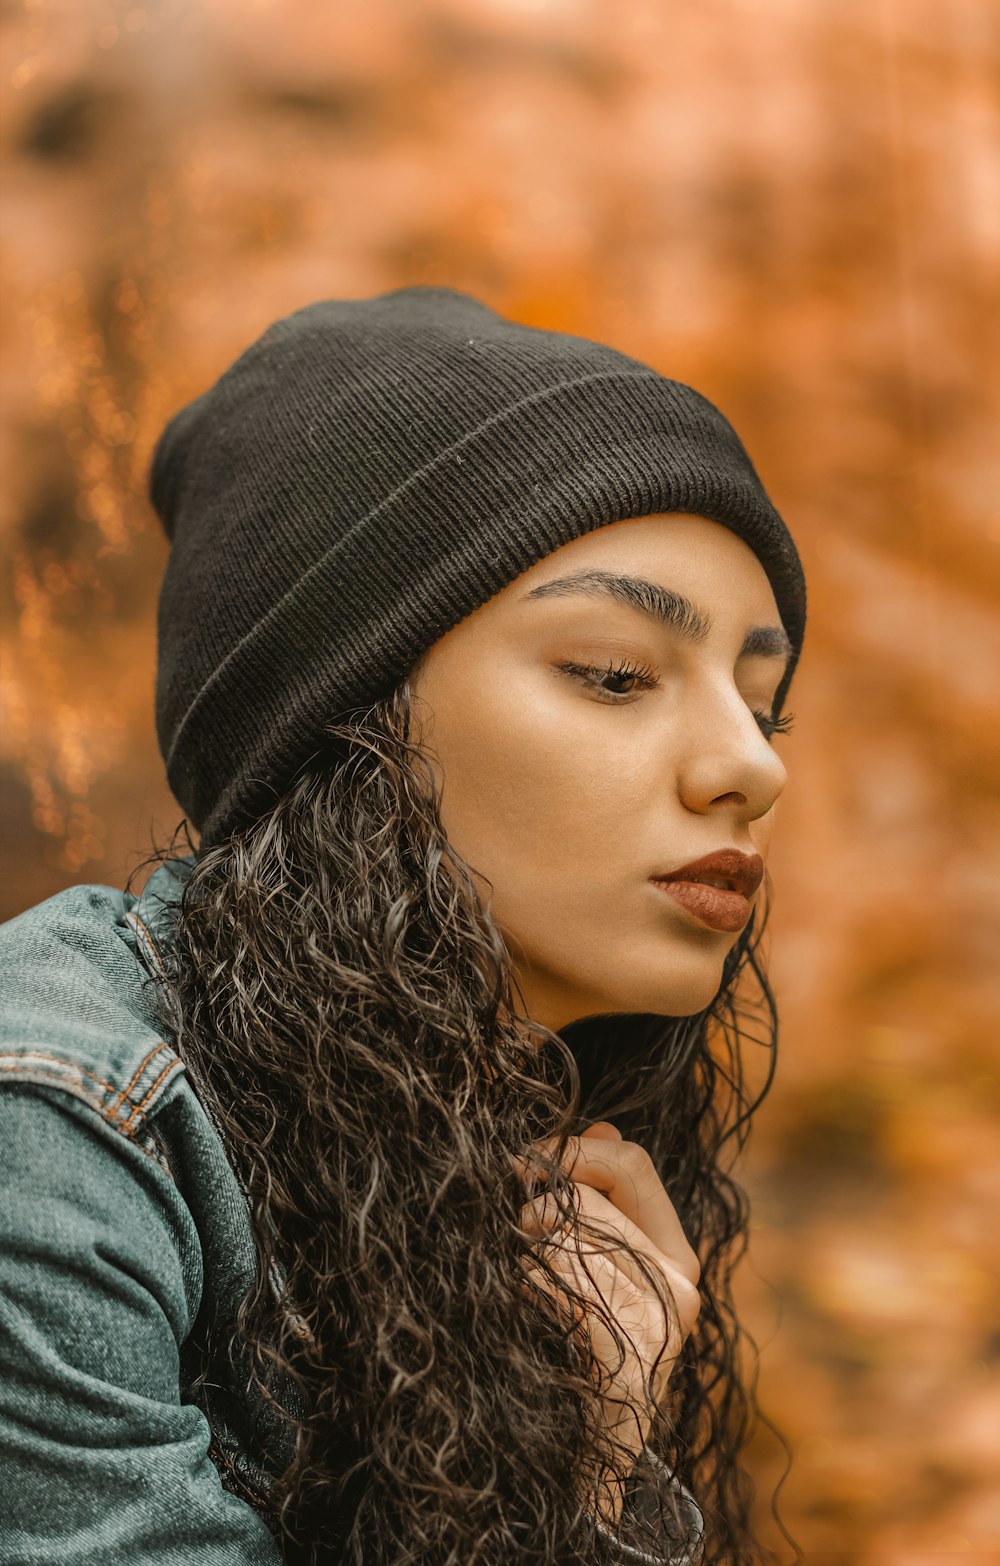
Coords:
583,745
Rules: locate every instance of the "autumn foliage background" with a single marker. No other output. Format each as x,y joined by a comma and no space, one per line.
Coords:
794,207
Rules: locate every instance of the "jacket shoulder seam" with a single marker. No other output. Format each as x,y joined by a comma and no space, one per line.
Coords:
125,1109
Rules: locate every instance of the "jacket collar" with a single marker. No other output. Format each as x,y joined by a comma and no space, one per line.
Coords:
152,912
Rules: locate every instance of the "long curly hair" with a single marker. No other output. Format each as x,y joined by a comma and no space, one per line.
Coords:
348,1016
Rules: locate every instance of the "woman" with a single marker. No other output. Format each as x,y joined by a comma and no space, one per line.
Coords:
365,1190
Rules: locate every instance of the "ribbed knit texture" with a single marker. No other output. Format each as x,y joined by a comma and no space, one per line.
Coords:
368,473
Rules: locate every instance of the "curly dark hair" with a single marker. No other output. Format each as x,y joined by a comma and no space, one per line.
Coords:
348,1016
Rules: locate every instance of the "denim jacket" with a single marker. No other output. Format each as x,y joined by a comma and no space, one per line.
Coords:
125,1246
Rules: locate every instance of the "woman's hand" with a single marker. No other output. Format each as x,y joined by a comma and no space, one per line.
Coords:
621,1195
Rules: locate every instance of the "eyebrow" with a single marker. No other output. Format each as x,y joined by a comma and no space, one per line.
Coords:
664,606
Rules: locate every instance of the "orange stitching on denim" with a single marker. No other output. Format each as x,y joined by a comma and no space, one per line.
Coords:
141,1106
216,1449
19,1061
123,1095
151,939
37,1054
109,1111
246,1487
124,1126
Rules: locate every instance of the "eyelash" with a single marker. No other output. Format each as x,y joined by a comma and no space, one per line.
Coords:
647,680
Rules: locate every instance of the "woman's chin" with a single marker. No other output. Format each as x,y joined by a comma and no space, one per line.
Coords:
674,1000
653,1002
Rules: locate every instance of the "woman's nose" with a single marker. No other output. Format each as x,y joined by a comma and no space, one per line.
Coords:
729,764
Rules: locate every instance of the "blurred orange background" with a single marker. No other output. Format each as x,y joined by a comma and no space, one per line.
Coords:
795,208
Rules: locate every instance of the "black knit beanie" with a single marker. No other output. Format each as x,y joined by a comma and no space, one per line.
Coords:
368,473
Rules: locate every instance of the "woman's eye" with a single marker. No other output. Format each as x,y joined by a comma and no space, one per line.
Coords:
617,682
622,682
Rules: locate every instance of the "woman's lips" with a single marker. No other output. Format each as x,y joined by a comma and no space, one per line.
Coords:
718,909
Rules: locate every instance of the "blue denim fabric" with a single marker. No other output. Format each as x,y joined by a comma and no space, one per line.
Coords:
125,1245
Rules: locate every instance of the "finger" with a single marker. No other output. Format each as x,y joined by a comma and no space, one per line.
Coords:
599,1290
603,1129
651,1336
602,1222
624,1173
597,1219
602,1233
600,1129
